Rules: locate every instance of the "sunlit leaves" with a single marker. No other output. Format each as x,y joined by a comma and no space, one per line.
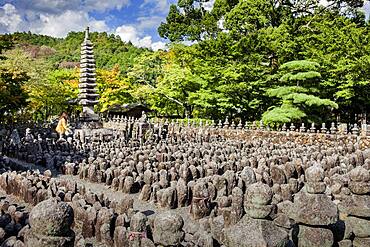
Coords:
285,113
296,102
12,96
113,89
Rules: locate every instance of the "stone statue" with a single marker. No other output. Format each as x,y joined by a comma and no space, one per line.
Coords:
15,140
29,137
143,118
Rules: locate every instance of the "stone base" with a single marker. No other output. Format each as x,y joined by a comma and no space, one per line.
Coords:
93,134
34,240
361,242
255,232
257,211
345,243
356,205
89,121
314,237
90,125
313,209
89,117
360,226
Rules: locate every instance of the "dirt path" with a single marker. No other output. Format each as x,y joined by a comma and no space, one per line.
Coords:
31,166
147,208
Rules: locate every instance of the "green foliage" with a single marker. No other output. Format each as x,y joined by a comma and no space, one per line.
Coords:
188,20
12,95
301,65
301,76
285,113
301,71
34,74
60,90
109,49
6,43
309,100
295,101
47,90
280,60
113,89
169,80
282,92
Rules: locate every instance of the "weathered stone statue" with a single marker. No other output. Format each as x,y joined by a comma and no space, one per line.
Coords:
143,118
15,140
29,137
168,229
50,225
313,210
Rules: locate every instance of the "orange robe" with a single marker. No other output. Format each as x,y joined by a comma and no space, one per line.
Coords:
62,126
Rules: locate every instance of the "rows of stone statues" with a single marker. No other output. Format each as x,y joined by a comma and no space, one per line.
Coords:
42,137
289,184
184,185
59,203
339,128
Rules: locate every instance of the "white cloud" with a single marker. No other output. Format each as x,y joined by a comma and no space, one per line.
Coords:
145,42
47,6
10,19
156,5
159,46
129,33
324,2
60,6
367,9
60,25
57,25
149,22
97,25
189,43
221,23
55,17
59,17
208,5
105,5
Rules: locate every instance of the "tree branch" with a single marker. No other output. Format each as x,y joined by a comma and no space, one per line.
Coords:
168,97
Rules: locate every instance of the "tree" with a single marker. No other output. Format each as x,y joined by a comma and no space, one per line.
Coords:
113,89
109,49
6,43
341,46
163,81
12,95
48,91
189,20
57,94
233,67
241,44
296,99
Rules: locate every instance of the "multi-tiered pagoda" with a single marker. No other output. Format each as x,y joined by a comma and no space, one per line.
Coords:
88,96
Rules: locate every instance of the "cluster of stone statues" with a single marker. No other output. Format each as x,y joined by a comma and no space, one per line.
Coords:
174,184
340,128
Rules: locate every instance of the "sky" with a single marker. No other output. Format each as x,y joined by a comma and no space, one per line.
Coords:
133,20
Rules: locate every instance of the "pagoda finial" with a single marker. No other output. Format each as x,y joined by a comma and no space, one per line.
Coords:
87,33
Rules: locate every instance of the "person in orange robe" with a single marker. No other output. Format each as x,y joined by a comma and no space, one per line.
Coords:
62,125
